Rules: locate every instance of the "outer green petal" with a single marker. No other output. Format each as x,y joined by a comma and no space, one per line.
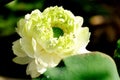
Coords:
32,69
77,23
27,46
20,29
82,39
17,49
34,16
22,60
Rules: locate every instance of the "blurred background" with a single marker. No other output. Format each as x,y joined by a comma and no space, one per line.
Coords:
101,16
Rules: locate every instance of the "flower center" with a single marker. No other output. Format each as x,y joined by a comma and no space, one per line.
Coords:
57,32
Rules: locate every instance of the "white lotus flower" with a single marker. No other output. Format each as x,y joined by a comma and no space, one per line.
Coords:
48,37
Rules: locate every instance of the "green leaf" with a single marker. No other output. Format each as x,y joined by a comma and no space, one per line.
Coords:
91,66
117,50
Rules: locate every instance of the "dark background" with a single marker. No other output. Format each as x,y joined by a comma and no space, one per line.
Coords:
101,16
